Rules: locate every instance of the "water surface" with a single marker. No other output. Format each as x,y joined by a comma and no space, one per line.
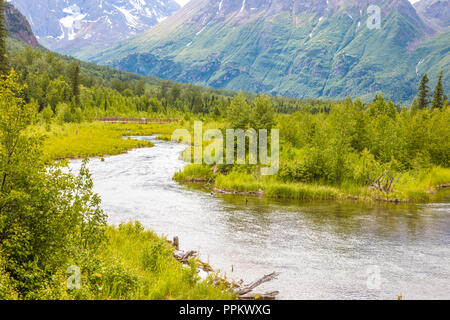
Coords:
324,250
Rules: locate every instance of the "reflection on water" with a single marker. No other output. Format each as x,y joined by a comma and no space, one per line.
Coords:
323,250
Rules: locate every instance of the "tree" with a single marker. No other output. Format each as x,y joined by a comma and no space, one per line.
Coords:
194,97
424,93
75,83
175,93
163,93
263,114
238,113
46,216
438,99
140,88
4,64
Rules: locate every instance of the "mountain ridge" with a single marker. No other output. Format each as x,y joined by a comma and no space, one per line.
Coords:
77,27
295,48
18,26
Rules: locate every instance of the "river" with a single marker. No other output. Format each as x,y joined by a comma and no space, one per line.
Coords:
324,250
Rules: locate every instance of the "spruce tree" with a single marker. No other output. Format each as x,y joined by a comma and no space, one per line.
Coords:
424,93
4,64
75,79
438,99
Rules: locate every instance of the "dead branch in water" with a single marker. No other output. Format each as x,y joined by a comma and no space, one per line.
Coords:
244,292
184,257
385,182
248,288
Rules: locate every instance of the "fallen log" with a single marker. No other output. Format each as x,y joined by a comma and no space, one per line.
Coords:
244,292
248,288
184,257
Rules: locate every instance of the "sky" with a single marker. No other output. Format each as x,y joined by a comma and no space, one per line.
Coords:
183,2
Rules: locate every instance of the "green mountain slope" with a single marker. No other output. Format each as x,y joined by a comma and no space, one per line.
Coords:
295,48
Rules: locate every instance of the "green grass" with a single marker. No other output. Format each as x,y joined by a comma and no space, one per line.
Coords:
240,182
411,187
148,258
300,191
422,185
95,139
132,264
194,172
275,189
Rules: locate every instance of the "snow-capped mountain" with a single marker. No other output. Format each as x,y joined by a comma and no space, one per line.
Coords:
77,26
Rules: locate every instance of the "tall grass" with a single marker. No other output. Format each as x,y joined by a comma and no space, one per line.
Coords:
194,172
273,188
413,186
237,181
300,191
420,185
139,265
133,264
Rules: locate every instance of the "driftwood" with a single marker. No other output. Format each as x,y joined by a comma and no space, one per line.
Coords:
385,182
244,292
248,288
184,257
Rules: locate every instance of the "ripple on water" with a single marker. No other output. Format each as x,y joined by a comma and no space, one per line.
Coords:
323,250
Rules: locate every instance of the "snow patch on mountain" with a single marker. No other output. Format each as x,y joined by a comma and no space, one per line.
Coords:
68,26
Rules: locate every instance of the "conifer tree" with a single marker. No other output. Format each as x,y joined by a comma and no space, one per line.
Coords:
4,64
424,93
75,78
438,99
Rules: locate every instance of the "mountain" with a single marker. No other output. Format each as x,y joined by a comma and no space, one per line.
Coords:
18,26
298,48
78,26
435,12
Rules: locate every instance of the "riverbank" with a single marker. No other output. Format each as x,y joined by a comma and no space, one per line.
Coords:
411,187
134,263
96,139
299,239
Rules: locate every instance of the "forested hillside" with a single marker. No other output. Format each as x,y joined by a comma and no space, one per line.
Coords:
100,91
307,48
51,220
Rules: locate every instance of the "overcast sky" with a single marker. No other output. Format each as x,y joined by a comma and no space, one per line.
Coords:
183,2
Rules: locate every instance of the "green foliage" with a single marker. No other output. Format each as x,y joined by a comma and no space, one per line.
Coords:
139,265
239,112
51,219
424,93
347,145
46,215
75,82
4,63
93,139
193,172
438,97
263,116
258,115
